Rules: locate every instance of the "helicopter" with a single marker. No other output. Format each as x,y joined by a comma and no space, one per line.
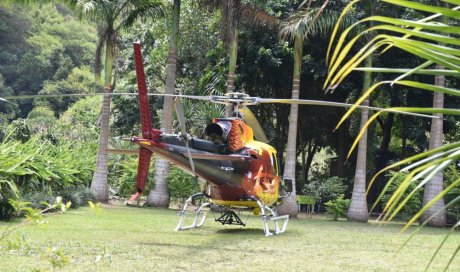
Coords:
239,169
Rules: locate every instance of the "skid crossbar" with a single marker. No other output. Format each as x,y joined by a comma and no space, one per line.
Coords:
274,217
268,214
196,222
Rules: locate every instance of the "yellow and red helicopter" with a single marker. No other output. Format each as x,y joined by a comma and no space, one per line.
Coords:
237,165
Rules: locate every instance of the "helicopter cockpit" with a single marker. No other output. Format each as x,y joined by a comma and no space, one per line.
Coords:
218,132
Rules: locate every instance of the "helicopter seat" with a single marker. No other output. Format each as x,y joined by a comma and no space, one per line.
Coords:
205,145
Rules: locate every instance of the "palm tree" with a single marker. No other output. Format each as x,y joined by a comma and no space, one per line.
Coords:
358,206
112,17
232,12
436,184
305,23
159,195
437,45
358,210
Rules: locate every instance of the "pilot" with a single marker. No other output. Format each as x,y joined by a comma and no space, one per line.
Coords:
215,138
217,132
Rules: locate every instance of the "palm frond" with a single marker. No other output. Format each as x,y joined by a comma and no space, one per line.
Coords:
436,43
311,22
142,9
255,16
103,35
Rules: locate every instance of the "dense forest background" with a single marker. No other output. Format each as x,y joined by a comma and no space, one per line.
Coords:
47,49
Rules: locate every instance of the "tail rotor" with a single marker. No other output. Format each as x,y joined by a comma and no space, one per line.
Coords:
145,155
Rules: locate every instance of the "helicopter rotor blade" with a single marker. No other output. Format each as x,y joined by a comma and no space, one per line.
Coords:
246,101
251,120
333,104
181,117
4,100
34,96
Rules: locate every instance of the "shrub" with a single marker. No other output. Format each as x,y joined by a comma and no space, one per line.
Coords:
123,171
337,208
38,199
415,202
326,190
8,191
453,212
181,184
7,211
79,196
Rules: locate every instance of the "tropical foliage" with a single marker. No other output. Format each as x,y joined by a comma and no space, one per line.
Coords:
60,50
433,40
337,208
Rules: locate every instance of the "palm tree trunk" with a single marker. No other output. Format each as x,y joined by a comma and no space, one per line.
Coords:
99,183
341,153
232,57
159,194
289,205
436,184
233,52
358,206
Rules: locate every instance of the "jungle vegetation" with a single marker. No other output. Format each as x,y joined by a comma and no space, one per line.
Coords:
50,145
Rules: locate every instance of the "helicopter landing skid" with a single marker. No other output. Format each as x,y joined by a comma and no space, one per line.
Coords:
195,223
274,217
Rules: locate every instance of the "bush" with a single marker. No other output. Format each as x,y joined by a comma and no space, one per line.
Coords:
36,164
453,212
337,208
7,211
123,175
37,199
181,184
8,191
79,196
326,190
415,202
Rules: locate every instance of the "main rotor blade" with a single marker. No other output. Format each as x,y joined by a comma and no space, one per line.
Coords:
334,104
2,99
181,117
17,97
251,120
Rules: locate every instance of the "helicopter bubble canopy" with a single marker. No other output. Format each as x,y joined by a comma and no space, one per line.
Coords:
218,131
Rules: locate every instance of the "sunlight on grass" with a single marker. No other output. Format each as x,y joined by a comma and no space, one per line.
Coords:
127,239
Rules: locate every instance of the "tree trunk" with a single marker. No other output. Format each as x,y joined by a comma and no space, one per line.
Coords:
358,206
341,153
99,183
436,185
159,194
403,136
312,149
232,57
304,161
382,158
289,205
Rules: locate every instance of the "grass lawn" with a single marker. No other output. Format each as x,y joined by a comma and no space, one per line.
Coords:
143,239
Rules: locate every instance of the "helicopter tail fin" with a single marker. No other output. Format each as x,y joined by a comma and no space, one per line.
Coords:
146,123
142,171
146,117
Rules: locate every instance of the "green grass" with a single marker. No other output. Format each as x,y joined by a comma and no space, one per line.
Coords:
143,239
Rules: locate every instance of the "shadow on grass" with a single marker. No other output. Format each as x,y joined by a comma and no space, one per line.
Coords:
246,231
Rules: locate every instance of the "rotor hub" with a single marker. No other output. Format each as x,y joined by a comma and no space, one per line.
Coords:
235,99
